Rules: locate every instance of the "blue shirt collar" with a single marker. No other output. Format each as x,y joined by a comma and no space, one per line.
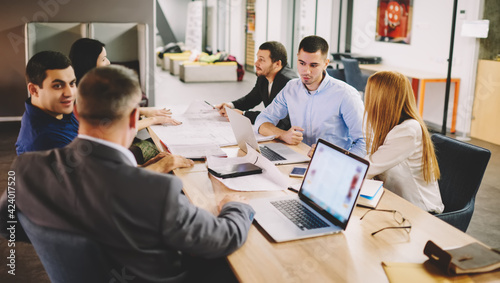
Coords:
37,112
326,80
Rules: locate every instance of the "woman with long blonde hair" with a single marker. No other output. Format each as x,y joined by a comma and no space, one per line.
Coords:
398,144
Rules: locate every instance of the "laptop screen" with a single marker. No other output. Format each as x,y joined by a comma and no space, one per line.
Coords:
333,181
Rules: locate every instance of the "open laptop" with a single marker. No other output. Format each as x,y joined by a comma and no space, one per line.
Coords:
325,200
276,152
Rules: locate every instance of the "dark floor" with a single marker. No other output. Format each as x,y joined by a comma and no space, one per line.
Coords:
485,224
28,267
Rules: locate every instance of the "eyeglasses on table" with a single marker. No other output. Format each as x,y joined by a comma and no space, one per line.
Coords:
398,217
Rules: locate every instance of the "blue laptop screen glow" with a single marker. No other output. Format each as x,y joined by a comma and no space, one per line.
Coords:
333,181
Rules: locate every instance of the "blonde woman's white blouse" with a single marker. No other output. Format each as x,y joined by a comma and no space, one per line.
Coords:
398,163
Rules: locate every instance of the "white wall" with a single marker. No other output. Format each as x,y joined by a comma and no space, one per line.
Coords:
275,21
336,10
428,51
465,62
225,24
176,12
325,20
236,24
212,24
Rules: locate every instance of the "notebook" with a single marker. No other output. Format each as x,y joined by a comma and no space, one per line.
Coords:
276,152
371,193
325,200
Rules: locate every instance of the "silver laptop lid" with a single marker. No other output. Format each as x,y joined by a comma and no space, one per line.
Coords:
333,181
243,130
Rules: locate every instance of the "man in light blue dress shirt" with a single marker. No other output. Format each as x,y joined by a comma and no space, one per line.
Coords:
319,105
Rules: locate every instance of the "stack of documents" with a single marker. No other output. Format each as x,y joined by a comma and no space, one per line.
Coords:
198,151
371,192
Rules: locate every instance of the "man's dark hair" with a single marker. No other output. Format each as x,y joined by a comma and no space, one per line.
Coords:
83,54
43,61
106,94
313,43
277,50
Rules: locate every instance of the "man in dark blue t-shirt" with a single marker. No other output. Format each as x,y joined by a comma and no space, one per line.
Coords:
48,121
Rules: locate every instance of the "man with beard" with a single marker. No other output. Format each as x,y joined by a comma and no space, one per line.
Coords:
272,75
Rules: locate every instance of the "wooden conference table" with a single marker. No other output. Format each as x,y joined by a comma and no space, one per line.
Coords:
351,256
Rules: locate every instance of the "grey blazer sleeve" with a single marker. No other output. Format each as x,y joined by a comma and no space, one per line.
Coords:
192,230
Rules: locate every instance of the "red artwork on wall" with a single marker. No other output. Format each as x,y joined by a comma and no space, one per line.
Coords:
394,21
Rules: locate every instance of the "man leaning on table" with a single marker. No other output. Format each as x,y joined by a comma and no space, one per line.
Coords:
271,68
319,106
140,218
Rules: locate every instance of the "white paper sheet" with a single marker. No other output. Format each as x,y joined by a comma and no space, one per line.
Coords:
271,178
197,151
201,125
199,107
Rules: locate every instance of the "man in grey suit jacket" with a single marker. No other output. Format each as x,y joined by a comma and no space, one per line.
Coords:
272,75
140,218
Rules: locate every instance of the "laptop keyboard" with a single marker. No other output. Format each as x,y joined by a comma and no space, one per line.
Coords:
270,154
299,214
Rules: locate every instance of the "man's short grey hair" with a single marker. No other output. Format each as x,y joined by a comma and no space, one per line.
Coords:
107,94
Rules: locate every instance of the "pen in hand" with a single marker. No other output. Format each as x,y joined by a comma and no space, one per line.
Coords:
210,104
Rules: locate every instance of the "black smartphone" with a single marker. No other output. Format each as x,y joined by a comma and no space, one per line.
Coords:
235,170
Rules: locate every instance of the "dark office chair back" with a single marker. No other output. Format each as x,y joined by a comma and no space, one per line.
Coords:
338,74
353,75
462,167
66,257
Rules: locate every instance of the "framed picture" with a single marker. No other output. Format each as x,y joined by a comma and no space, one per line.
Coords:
394,21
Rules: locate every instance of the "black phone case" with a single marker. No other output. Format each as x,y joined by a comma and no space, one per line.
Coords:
254,170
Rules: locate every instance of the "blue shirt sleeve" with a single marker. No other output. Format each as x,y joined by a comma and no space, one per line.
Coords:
274,112
49,140
352,111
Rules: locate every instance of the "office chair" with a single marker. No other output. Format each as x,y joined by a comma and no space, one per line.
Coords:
353,75
66,257
462,167
338,74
